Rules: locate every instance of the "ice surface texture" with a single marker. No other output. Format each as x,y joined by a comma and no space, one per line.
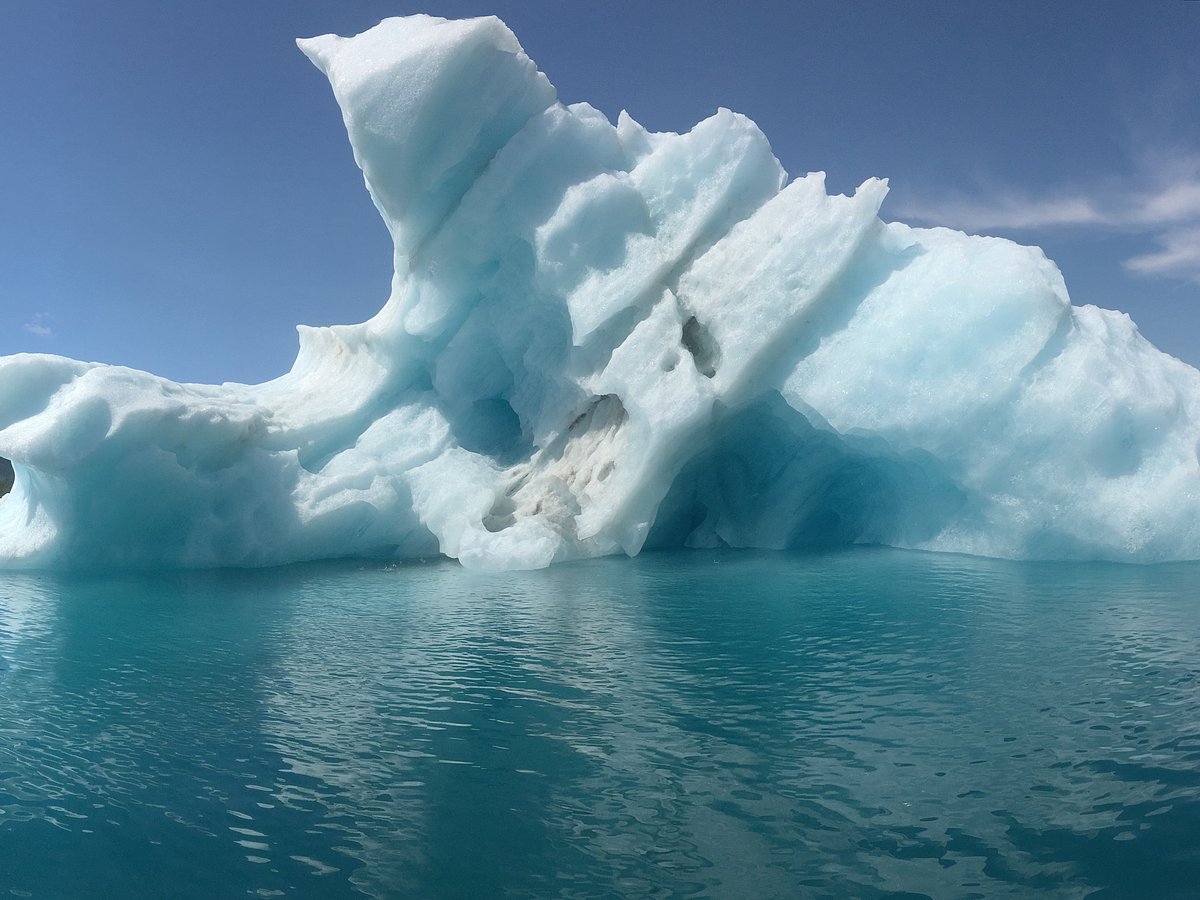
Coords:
600,339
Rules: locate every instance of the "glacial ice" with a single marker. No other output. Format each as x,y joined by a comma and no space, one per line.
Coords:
601,338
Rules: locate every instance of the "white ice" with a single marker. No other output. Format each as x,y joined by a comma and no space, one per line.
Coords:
601,338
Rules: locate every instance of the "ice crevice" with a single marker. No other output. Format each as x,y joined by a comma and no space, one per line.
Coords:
599,339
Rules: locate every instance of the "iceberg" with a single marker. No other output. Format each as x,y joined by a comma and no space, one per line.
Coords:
601,339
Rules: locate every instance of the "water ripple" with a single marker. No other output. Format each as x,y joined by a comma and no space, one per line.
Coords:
764,725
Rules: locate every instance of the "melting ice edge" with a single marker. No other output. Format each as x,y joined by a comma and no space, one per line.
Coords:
601,339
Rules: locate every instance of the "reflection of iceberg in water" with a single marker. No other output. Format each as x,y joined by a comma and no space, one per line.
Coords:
597,336
822,726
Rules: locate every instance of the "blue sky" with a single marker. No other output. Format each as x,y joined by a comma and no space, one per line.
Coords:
178,192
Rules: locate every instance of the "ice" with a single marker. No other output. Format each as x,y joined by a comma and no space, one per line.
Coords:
600,338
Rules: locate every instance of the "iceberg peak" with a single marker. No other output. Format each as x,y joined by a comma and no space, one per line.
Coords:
600,338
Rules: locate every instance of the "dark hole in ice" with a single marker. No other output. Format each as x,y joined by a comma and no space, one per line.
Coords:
492,427
6,476
701,345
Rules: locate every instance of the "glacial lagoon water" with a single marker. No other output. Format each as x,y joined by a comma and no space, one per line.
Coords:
864,723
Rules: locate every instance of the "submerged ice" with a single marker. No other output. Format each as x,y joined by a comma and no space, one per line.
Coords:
600,338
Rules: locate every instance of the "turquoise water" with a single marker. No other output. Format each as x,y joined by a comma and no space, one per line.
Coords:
862,723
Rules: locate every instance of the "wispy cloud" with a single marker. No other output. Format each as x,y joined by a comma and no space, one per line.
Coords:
1005,211
1162,199
1180,256
40,326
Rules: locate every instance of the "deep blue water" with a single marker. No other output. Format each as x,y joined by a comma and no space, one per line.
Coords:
863,723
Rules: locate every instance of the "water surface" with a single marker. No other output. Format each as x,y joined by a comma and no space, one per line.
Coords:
863,723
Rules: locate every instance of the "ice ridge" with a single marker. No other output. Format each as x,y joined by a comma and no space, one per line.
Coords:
601,338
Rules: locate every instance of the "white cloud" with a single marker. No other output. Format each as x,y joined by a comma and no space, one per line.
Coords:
1006,211
40,326
1178,202
1179,256
1162,200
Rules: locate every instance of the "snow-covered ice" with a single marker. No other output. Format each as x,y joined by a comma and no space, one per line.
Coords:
600,338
